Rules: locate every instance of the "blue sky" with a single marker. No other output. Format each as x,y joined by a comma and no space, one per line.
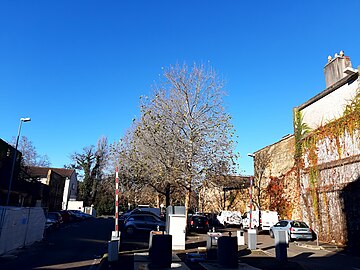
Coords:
77,68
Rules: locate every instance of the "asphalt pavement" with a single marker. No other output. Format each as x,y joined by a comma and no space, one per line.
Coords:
302,255
79,246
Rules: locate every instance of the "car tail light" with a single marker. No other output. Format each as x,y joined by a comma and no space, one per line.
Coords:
292,229
207,223
192,222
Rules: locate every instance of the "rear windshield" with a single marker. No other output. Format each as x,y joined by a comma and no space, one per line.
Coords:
198,218
299,224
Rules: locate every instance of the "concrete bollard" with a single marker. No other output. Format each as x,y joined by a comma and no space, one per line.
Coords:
240,238
252,239
212,244
281,243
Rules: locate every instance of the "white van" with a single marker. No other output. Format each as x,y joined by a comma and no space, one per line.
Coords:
261,220
230,218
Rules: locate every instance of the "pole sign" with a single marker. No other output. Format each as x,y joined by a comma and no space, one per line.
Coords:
117,202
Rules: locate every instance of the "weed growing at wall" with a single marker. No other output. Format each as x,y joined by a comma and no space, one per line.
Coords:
306,145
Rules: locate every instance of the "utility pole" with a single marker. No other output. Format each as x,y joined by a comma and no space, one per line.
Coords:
251,201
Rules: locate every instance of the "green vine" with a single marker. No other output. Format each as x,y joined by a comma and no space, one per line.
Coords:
307,142
301,129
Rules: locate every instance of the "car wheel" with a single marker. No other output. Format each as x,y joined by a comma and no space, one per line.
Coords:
271,234
130,230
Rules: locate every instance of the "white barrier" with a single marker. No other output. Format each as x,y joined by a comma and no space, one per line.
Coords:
20,227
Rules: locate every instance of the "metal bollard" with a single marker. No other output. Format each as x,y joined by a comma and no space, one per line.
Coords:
227,252
113,250
160,252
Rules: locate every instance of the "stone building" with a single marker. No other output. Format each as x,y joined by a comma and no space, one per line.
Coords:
329,155
322,187
224,193
275,185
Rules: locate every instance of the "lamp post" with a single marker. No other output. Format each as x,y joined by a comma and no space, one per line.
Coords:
14,159
250,192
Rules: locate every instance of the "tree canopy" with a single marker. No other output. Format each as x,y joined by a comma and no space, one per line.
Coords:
183,133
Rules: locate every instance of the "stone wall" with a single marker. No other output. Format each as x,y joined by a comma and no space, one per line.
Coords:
328,186
211,199
329,167
279,189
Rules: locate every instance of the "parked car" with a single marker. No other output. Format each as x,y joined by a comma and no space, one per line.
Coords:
53,219
80,215
295,229
50,224
66,216
142,223
198,223
138,211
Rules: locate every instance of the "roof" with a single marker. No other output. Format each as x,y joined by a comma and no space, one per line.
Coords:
348,78
34,171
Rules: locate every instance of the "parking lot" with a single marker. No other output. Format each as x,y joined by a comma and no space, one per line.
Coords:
301,254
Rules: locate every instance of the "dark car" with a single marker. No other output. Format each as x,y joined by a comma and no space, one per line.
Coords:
136,211
198,223
54,219
141,223
66,216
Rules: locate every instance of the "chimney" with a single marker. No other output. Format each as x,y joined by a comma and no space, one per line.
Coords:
334,69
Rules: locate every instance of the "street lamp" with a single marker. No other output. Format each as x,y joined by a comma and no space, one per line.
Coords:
250,192
27,119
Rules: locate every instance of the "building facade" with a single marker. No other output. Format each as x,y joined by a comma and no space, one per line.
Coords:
318,168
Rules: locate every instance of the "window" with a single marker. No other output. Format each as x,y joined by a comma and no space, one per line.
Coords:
299,224
149,218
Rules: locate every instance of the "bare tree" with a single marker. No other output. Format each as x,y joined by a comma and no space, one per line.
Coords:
145,161
30,156
262,160
184,131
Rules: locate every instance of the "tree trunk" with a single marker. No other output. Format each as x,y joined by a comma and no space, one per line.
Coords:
187,201
167,194
158,200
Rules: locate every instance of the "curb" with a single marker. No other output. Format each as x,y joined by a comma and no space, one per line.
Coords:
102,261
309,246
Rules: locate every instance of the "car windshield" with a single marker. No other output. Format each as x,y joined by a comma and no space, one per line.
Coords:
299,224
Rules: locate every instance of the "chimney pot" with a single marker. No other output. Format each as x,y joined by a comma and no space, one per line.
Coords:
334,69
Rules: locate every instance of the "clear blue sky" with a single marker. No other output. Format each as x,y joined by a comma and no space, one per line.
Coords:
77,68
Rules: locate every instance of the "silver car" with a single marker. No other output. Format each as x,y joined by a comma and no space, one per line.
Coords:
296,229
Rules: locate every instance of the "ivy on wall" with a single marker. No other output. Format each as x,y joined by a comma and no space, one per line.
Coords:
301,129
306,142
278,199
